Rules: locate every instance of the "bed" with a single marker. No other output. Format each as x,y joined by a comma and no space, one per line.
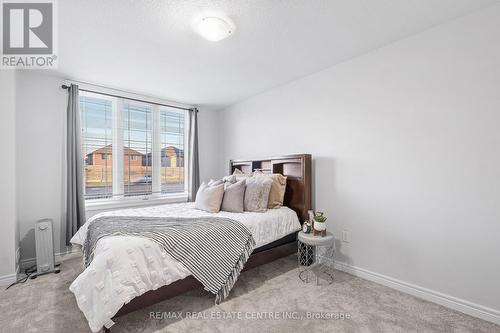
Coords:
128,273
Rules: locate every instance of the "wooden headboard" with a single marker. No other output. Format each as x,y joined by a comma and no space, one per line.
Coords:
297,169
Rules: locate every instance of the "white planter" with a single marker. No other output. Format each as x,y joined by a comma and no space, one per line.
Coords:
319,226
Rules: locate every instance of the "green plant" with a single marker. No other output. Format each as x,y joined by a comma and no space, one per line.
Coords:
320,217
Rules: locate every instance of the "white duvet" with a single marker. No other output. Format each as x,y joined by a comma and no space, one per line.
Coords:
125,267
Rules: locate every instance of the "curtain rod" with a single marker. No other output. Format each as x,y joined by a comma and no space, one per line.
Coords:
66,87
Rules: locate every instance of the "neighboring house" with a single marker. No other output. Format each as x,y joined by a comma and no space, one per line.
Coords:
170,157
104,154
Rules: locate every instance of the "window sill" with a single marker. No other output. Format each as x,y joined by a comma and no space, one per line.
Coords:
95,205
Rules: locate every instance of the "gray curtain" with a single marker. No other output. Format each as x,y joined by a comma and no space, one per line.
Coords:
75,203
194,164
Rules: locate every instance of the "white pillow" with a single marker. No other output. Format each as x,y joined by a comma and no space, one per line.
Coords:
209,198
231,179
215,182
239,175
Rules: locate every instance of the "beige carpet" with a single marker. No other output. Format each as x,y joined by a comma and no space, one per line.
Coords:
46,305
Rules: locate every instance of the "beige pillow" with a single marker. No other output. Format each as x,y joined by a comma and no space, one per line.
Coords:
209,198
278,187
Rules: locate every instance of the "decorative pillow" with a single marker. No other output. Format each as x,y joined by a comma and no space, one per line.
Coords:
215,182
231,179
237,172
209,198
239,175
278,187
257,194
233,197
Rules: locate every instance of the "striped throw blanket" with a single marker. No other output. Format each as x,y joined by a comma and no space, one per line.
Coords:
213,249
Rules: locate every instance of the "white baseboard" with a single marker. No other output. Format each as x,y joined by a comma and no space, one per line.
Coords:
451,302
8,279
25,263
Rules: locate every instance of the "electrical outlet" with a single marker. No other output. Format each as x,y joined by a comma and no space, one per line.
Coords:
345,236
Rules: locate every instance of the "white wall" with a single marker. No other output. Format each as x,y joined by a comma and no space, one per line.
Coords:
406,149
40,121
8,239
209,144
40,134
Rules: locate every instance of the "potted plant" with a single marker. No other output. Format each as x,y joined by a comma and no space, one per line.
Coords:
319,223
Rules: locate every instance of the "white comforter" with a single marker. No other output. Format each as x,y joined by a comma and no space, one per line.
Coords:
125,267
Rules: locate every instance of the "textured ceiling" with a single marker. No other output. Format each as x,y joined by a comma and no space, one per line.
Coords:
149,46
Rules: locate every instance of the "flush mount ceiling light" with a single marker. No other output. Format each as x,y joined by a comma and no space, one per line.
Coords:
215,28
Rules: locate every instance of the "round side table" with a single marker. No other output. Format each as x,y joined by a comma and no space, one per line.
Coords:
315,254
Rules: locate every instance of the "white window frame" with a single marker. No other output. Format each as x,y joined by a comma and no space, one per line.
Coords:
118,199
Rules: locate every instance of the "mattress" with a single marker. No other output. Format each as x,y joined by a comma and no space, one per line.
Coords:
125,267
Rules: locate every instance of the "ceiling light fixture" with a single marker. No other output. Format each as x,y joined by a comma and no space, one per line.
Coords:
215,28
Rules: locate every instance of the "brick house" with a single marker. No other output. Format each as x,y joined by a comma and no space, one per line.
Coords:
170,157
104,154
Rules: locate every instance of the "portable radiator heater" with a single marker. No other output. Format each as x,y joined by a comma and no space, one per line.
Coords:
45,260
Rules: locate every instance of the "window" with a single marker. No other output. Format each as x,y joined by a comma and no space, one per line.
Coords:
137,139
172,151
131,148
97,139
